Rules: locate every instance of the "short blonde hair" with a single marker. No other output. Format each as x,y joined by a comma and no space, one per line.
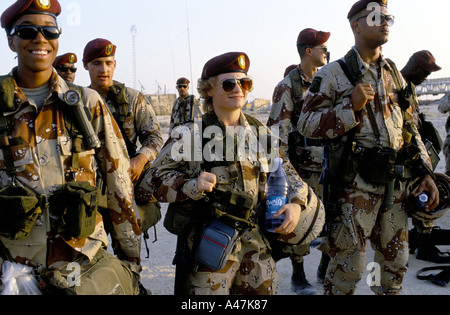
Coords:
203,87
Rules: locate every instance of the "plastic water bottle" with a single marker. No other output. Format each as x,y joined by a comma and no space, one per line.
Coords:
276,196
422,200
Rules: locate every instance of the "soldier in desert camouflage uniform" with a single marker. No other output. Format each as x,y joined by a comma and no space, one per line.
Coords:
370,109
136,120
305,154
186,107
250,269
65,66
39,154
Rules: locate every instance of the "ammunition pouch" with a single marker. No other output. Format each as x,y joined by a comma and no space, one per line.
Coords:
375,165
75,207
20,207
233,208
341,164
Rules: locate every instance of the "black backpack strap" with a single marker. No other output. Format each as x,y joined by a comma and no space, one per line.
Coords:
297,94
441,279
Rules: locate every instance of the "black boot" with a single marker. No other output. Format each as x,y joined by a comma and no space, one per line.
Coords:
323,266
429,252
299,283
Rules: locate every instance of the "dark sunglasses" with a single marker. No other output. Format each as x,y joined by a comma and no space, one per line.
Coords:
181,86
228,85
380,17
31,31
66,69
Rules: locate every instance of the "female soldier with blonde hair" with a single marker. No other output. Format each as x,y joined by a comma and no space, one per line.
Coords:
227,190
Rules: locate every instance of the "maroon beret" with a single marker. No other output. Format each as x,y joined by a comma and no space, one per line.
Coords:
98,48
69,57
426,61
362,5
311,37
22,7
183,81
226,63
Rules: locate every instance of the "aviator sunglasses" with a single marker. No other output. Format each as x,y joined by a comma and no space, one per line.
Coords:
380,18
31,31
228,85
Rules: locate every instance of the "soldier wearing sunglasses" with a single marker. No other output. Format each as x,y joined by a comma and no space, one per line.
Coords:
65,66
186,107
235,185
356,104
304,154
43,154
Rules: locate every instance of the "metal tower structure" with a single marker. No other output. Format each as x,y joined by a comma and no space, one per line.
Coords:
133,43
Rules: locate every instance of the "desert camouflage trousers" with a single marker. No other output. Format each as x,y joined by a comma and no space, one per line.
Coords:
365,218
312,179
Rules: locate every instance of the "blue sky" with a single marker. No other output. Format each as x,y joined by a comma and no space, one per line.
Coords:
265,30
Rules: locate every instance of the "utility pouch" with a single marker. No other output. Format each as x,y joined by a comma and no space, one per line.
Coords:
341,164
20,207
75,206
216,244
178,218
376,165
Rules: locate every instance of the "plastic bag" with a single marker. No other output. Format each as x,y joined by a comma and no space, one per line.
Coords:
18,280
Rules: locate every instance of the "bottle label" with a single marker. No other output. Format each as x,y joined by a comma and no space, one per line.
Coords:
275,203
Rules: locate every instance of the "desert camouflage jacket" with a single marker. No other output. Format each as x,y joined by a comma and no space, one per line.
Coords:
328,111
43,163
281,115
140,122
175,171
181,111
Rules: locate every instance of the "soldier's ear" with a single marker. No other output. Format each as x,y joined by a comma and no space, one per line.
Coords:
11,44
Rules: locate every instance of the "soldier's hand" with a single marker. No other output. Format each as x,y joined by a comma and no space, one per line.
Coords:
362,94
136,166
206,182
292,212
429,185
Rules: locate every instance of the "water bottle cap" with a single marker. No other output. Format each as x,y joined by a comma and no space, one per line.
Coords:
423,197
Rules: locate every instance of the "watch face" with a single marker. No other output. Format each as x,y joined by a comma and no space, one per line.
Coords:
72,97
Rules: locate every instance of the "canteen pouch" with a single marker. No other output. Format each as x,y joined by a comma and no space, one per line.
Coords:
75,207
178,218
216,244
20,207
103,275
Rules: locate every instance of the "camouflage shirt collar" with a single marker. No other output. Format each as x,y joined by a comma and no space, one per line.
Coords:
364,66
303,76
55,84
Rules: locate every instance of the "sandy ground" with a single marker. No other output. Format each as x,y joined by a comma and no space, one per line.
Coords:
158,272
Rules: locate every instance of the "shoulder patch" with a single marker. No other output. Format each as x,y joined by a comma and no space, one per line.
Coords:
315,85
